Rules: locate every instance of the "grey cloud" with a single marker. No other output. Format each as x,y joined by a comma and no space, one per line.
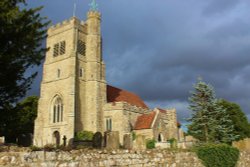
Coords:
158,49
219,6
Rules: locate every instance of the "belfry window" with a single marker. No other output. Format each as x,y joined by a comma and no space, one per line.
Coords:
108,124
59,48
81,47
56,50
62,47
57,110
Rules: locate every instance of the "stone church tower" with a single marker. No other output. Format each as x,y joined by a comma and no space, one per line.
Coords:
73,88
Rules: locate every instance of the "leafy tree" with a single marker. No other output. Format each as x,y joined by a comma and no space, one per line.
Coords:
209,121
21,34
20,119
238,118
26,114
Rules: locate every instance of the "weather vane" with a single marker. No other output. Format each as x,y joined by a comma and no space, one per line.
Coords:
93,5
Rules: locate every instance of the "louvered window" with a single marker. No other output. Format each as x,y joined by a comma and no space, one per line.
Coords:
62,47
81,47
59,48
56,50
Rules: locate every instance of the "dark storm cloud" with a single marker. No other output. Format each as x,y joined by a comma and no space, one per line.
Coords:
157,49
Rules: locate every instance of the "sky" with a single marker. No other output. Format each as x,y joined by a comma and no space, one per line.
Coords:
158,48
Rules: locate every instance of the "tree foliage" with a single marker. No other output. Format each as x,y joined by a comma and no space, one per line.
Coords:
20,119
209,121
21,34
219,155
238,118
26,112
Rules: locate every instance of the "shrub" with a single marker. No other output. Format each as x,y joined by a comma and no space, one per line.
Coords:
150,144
84,135
35,148
218,155
133,136
173,143
49,147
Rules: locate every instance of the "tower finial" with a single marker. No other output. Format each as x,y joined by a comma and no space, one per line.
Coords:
93,5
74,10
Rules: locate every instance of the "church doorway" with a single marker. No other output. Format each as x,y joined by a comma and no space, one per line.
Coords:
56,138
160,137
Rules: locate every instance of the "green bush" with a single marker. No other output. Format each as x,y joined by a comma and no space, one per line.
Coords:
150,144
133,136
173,143
84,135
49,147
218,155
35,148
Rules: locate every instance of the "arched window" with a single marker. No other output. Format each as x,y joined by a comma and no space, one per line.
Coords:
108,124
57,110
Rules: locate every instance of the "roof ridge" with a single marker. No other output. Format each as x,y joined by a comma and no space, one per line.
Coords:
115,94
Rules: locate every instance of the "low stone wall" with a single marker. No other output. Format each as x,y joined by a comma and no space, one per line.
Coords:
104,158
242,145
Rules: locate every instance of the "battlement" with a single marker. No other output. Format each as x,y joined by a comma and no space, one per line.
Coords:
72,20
94,14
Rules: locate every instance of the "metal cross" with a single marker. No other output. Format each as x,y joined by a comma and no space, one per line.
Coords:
93,5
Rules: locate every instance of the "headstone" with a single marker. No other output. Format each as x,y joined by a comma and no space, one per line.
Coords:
127,141
2,140
112,140
64,140
97,140
140,142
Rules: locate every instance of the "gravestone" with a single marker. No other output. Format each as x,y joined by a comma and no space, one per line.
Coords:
2,140
127,141
112,140
97,140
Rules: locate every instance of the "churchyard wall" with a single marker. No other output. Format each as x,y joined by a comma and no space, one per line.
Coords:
108,158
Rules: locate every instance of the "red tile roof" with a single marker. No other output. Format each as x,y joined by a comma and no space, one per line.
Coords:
118,95
162,111
144,121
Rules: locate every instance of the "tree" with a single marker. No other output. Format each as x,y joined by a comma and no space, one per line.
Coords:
26,114
209,121
238,118
21,34
20,119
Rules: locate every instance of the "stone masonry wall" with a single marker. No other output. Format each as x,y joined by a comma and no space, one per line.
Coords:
104,158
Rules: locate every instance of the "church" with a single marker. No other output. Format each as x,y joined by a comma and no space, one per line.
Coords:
75,97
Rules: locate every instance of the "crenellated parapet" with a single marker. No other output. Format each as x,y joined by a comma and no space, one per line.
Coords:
94,14
67,24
